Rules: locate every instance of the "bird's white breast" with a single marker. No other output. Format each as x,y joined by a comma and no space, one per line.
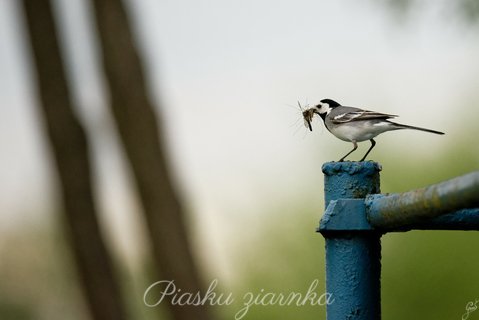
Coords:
358,130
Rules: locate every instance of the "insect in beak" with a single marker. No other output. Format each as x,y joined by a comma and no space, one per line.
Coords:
307,116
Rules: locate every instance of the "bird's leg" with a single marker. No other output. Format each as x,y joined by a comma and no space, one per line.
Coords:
347,154
373,143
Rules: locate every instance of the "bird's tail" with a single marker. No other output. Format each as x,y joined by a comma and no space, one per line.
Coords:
404,126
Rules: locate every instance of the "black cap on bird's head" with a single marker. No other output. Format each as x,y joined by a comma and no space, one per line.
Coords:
325,106
331,103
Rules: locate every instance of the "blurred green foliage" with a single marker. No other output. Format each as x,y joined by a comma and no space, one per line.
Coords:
465,10
425,275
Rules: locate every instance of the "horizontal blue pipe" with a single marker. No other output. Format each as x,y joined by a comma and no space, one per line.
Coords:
346,215
408,208
464,220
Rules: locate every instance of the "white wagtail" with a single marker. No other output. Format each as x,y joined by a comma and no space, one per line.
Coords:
354,124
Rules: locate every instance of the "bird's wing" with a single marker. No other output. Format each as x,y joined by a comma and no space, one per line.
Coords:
355,114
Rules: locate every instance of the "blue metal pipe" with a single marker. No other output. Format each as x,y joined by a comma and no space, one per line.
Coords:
353,257
408,208
356,217
350,214
350,180
464,220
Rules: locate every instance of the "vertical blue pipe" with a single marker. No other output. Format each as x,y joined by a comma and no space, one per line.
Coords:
353,258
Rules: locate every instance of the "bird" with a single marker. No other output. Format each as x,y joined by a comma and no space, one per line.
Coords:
354,124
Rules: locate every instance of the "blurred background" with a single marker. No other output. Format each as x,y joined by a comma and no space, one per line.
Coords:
222,79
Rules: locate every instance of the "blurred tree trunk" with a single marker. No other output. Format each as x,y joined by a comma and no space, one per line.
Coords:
70,150
140,133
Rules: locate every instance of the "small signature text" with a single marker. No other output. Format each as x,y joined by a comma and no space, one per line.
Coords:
471,306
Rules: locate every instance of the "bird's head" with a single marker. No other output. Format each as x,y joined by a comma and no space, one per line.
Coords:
324,107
